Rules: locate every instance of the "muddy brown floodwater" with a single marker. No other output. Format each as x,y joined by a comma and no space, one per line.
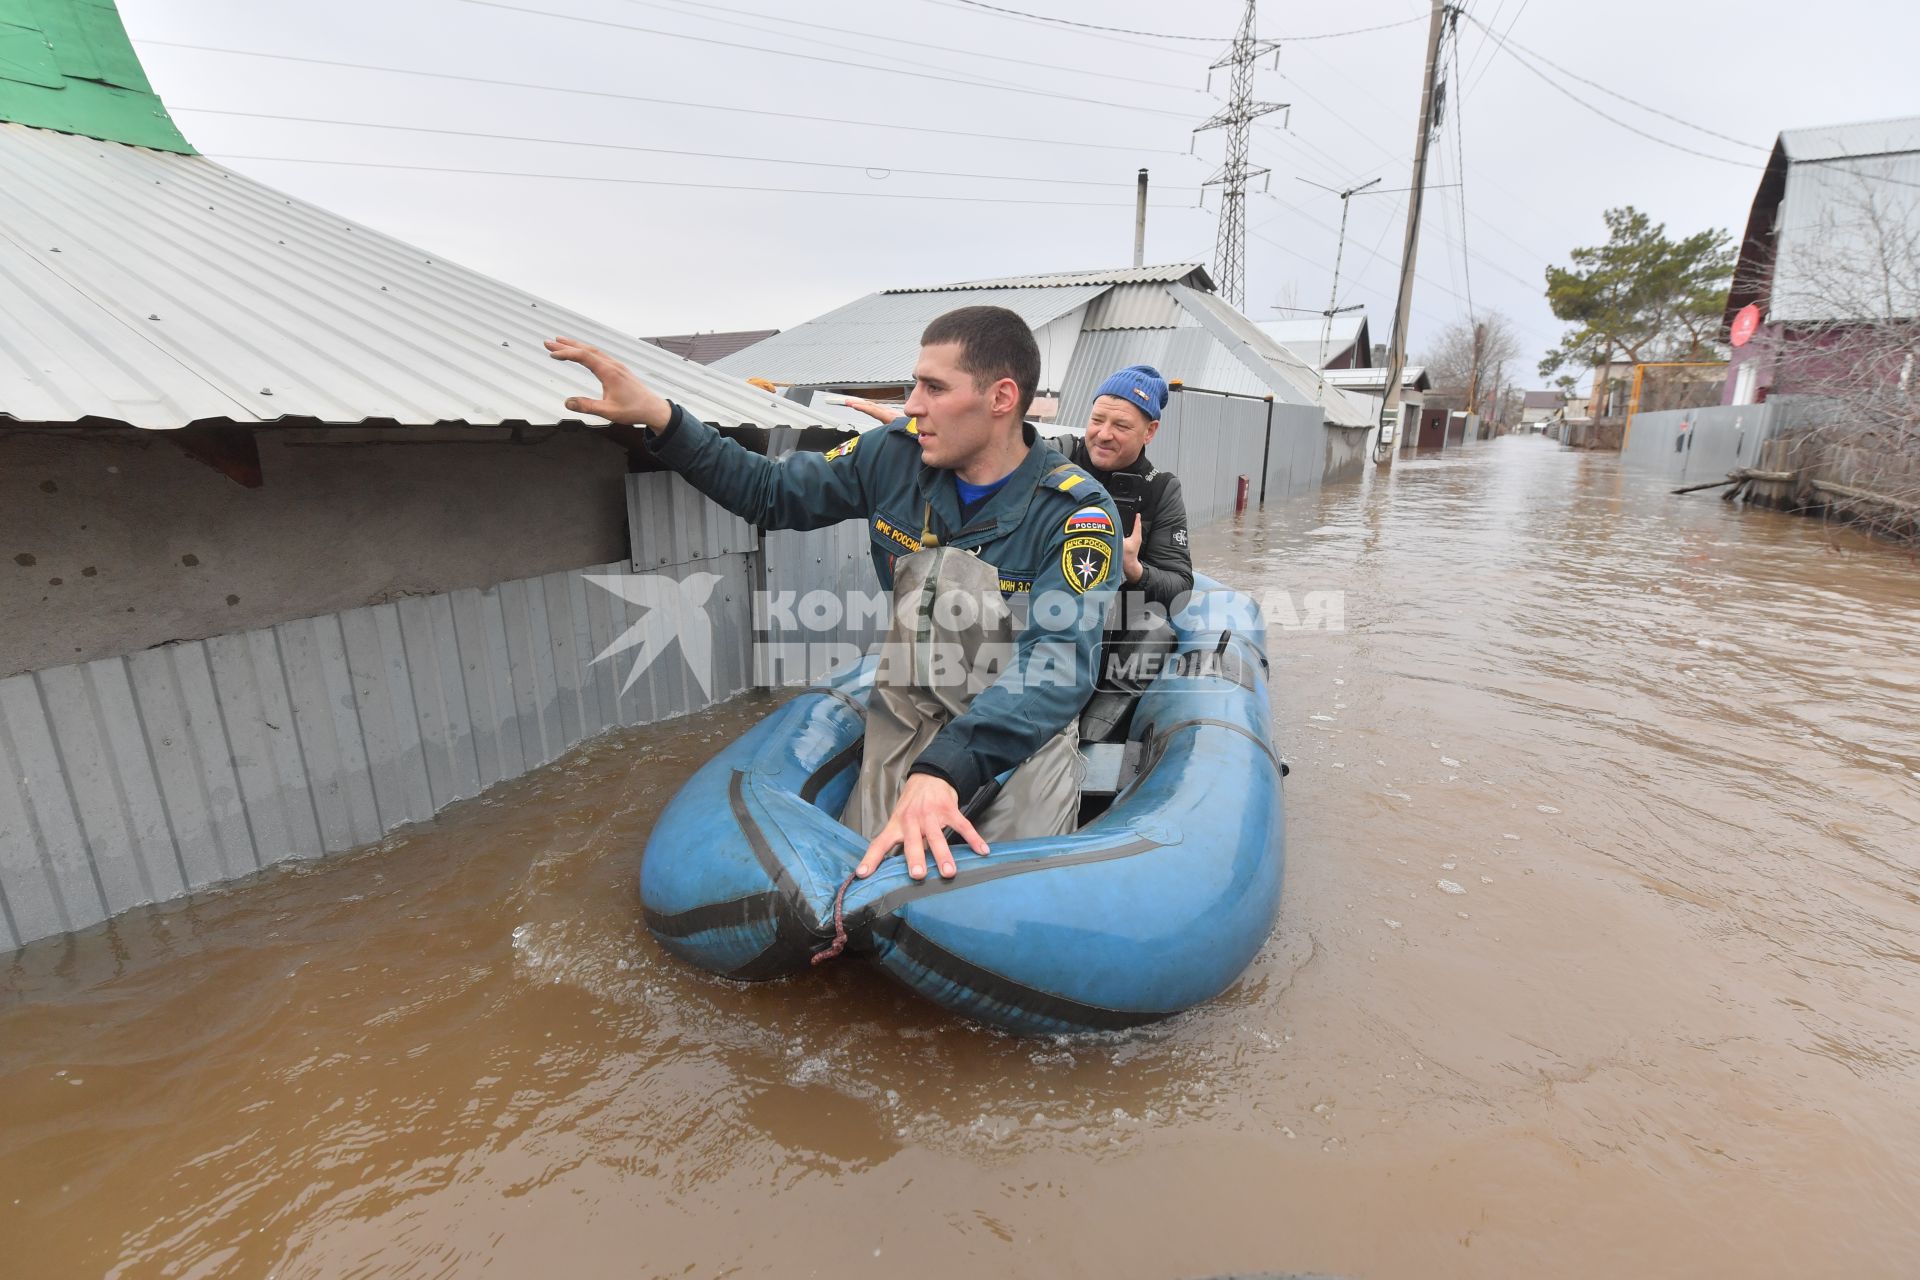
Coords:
1598,958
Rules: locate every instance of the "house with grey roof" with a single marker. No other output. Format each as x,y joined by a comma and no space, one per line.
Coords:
1087,324
1336,342
1537,407
1828,252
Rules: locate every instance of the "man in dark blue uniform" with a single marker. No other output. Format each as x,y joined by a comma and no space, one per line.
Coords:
960,494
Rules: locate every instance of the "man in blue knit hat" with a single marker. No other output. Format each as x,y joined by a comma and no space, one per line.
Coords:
1157,561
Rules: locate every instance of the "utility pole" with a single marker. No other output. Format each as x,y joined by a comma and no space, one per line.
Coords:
1473,369
1416,198
1140,222
1230,245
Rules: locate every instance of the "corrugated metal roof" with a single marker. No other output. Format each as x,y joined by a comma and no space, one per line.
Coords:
160,290
1542,400
1291,379
1869,138
875,339
1133,306
1413,375
705,348
1193,273
1191,355
1832,240
1303,337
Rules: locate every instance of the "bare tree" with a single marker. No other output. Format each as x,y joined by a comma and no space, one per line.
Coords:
1453,358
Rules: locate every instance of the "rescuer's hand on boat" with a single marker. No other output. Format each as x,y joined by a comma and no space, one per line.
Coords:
623,397
927,808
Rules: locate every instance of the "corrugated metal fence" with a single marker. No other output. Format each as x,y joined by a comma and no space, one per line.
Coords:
137,779
836,562
1695,446
1209,441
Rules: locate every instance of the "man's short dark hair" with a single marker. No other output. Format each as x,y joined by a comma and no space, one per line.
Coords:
994,343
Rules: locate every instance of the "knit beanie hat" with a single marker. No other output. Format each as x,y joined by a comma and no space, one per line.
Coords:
1141,386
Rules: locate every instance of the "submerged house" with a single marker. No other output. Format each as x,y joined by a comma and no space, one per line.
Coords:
294,530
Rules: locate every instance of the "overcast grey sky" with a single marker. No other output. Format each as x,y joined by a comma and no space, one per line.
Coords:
1076,113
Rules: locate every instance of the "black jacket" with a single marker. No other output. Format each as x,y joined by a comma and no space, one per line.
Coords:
1166,562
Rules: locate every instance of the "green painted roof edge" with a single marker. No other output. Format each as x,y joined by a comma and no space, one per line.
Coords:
68,65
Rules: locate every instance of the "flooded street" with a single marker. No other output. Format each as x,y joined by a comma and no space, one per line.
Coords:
1599,956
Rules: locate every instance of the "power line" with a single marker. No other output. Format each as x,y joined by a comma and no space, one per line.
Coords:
1502,41
1356,31
819,61
1089,26
1373,253
1529,250
664,182
869,169
1292,252
1014,16
695,10
1485,261
1164,35
1460,168
1386,228
1485,47
1508,48
1483,181
663,102
1494,21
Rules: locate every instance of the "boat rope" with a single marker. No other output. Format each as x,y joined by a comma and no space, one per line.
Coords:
974,808
839,942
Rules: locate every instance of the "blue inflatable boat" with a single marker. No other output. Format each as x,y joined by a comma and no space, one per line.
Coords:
1156,903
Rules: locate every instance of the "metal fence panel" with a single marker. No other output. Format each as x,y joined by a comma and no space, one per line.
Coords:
314,655
132,780
669,522
73,893
1696,446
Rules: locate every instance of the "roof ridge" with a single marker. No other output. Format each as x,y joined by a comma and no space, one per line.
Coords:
1161,273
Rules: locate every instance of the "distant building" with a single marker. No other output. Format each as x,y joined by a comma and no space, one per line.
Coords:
1537,407
1425,424
1611,393
1087,323
1828,251
1342,343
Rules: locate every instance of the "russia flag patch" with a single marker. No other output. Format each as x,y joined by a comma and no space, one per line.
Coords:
1090,520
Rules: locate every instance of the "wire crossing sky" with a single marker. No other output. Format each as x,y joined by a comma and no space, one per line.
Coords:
672,167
